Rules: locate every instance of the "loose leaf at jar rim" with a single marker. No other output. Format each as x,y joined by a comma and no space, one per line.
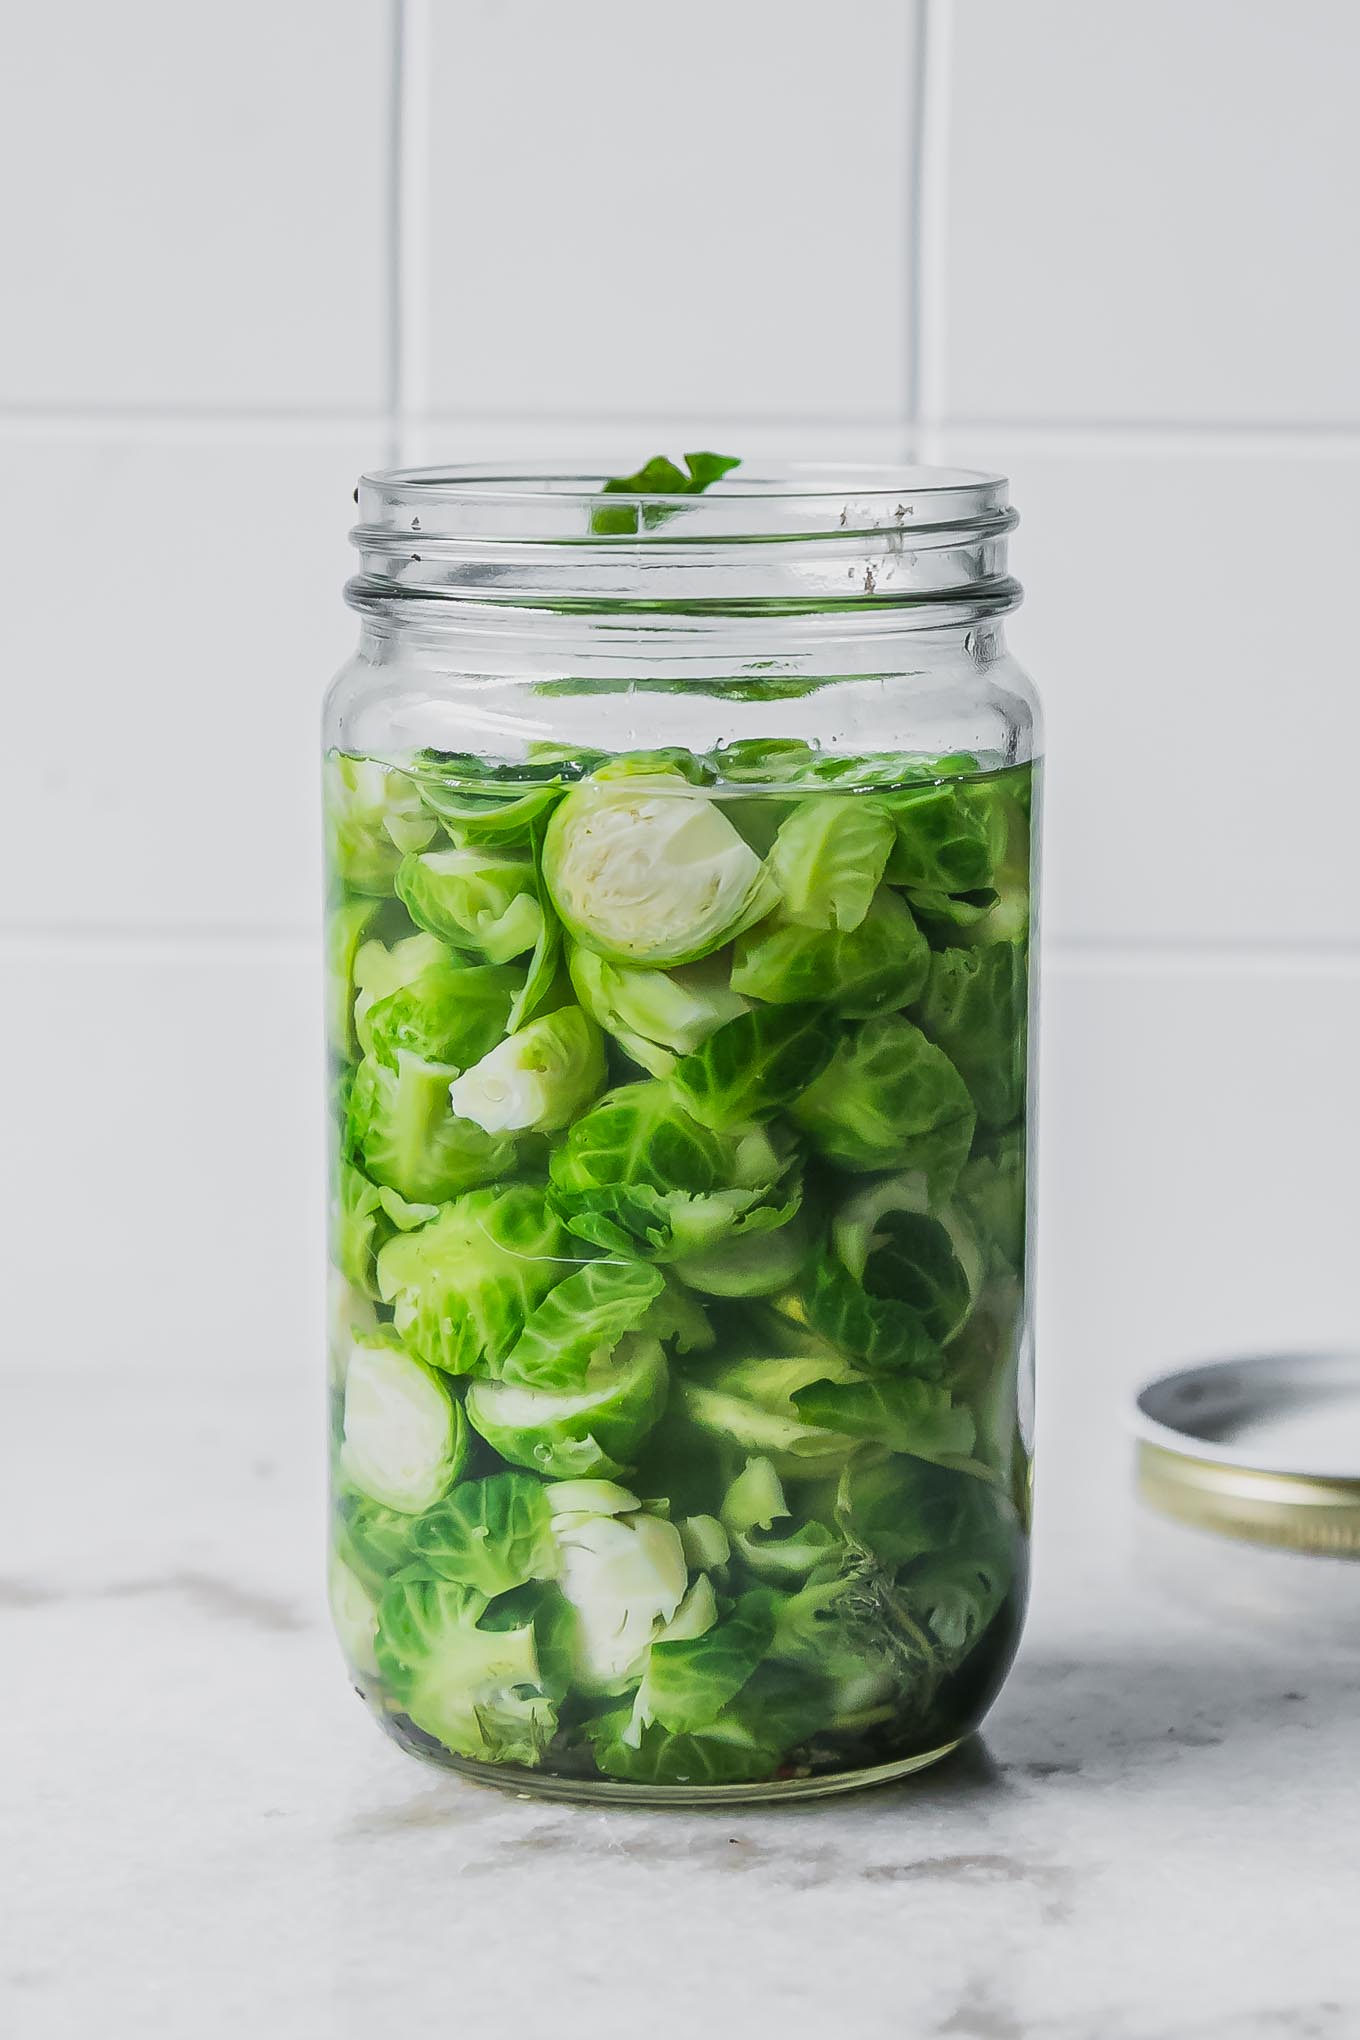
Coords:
755,1065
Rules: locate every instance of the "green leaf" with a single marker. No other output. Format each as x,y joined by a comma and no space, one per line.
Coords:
882,1334
687,1684
492,1535
734,1756
890,1099
346,926
463,1287
450,1013
755,1065
905,1415
658,477
975,1007
950,838
828,859
403,1130
478,899
586,1431
475,1689
874,968
582,1317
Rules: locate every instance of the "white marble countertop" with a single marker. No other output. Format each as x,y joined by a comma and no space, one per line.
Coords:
204,1835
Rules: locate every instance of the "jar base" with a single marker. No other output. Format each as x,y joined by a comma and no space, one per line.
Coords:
525,1784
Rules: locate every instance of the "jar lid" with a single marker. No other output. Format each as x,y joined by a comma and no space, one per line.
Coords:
1265,1448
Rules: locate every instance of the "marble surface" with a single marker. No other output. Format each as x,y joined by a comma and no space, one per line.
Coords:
204,1836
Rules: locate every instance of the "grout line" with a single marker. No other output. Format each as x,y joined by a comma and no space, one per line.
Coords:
392,250
933,91
210,426
1208,958
918,51
410,309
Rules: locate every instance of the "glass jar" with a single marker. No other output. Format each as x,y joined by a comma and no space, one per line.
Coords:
679,941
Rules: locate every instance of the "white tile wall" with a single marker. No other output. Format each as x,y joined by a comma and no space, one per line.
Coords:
1151,210
254,248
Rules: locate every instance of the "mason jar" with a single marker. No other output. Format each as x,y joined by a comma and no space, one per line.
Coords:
680,851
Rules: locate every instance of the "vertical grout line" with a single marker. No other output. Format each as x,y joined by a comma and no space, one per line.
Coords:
392,263
934,83
917,58
408,269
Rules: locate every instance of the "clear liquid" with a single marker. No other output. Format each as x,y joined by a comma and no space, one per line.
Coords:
770,1124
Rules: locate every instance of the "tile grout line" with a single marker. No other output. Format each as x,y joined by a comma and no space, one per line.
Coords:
392,250
932,88
410,275
1073,955
917,56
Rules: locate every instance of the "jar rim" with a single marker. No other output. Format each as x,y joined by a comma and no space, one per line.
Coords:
528,500
797,535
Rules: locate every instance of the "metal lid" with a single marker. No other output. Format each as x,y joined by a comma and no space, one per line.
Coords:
1266,1448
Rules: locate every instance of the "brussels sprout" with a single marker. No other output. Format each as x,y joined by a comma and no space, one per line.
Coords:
405,1132
582,1319
774,1286
950,838
538,1080
349,1313
624,1577
463,1287
492,1535
889,1099
475,1689
373,1541
872,968
975,1007
828,858
452,1012
405,1441
655,1016
689,1680
646,870
992,1192
904,1415
752,1264
593,1429
380,970
638,1175
355,1616
476,899
750,1404
754,1066
345,929
895,1247
373,816
752,1506
363,1215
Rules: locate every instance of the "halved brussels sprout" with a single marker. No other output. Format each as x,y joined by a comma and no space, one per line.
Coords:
355,1615
405,1441
889,1099
592,1430
656,1016
828,858
623,1577
462,1288
750,1404
374,816
476,899
645,869
476,1689
538,1080
404,1130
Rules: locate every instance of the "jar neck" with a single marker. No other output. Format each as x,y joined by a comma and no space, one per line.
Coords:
838,553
